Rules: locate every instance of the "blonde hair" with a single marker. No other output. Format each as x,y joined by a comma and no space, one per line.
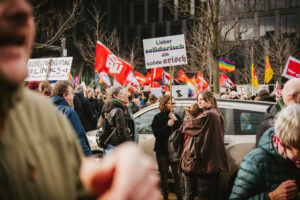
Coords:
287,126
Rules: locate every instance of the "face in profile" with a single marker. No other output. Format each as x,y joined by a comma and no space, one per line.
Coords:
202,103
16,38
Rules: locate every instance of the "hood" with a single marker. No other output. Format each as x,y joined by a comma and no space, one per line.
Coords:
266,143
108,106
59,101
80,93
273,110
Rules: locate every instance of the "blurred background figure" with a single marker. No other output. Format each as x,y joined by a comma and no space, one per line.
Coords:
33,85
45,88
264,95
272,170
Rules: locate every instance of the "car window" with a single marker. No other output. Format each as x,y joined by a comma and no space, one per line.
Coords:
144,121
247,122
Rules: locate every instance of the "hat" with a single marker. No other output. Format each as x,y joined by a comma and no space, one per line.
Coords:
33,85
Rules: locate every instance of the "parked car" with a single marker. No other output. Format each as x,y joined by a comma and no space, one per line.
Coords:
242,119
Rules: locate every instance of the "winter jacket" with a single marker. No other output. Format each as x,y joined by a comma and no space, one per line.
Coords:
262,171
40,154
204,150
162,131
118,118
268,119
62,105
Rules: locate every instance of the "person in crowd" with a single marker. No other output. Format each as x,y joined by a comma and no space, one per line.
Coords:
272,170
290,96
117,117
264,95
204,156
162,126
83,107
40,155
62,96
45,88
152,99
90,95
33,85
132,105
234,95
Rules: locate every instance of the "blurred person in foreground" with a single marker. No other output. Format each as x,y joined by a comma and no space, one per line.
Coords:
272,171
62,96
204,156
40,155
290,96
163,124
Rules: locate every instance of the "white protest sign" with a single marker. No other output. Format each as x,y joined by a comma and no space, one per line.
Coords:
292,68
180,91
59,68
156,91
165,51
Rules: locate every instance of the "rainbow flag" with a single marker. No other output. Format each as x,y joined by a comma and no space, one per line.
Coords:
225,65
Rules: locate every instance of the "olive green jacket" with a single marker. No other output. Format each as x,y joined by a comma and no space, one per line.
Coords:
40,155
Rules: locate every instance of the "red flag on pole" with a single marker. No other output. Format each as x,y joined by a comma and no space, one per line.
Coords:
140,78
225,81
157,73
183,77
107,62
202,83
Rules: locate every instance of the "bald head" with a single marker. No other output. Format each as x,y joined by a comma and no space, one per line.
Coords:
291,92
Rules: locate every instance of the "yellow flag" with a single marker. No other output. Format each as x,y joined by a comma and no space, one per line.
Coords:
254,77
268,71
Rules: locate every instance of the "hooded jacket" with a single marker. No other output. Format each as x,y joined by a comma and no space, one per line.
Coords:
62,105
204,150
262,171
117,117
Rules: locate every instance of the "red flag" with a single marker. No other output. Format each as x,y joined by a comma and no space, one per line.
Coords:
225,81
140,78
166,88
149,78
157,73
202,83
155,84
131,80
107,62
183,77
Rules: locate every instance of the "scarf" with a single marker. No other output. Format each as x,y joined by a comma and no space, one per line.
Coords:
284,151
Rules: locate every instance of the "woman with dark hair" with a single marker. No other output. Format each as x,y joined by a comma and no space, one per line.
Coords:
162,125
204,155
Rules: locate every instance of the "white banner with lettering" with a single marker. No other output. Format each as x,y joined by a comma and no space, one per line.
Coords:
59,68
165,51
180,91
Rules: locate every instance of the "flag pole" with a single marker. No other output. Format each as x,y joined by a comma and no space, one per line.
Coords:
170,71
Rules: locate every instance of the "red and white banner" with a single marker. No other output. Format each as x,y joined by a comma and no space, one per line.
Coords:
107,62
277,90
225,81
292,68
131,80
140,78
105,78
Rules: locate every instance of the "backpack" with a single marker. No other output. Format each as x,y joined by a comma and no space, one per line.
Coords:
175,145
104,133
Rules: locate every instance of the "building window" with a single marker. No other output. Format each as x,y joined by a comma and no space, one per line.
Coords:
176,28
227,31
277,4
256,5
247,29
293,3
288,23
168,15
161,30
266,25
153,11
139,13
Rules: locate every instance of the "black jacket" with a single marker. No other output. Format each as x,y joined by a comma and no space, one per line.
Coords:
84,109
162,131
268,120
117,117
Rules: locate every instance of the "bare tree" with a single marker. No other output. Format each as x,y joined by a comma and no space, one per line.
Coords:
224,26
51,25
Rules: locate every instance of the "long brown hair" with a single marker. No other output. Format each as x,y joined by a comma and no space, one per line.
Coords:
163,103
209,97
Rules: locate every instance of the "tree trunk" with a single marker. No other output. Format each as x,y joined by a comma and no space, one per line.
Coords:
216,75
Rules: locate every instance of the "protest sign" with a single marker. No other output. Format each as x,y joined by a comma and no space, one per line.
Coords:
292,68
165,51
180,91
59,69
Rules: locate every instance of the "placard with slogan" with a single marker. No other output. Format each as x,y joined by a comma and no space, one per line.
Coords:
165,51
180,91
59,68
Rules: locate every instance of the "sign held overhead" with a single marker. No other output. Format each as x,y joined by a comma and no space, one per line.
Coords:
165,51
